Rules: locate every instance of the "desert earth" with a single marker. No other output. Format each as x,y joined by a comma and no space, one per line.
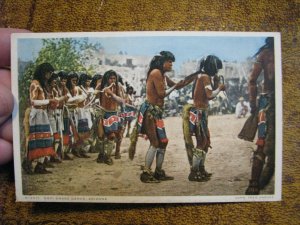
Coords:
229,161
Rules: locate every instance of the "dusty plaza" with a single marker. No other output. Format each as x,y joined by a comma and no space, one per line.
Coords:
229,161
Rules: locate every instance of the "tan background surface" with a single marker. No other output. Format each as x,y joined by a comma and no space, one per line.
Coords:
213,15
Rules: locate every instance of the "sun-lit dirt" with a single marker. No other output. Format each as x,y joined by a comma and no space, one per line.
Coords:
229,160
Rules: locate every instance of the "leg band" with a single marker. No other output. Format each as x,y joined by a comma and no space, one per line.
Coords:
108,147
160,155
150,156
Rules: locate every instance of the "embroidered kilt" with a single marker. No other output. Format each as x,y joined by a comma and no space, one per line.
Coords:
40,142
84,122
156,113
111,122
130,113
122,117
198,127
56,122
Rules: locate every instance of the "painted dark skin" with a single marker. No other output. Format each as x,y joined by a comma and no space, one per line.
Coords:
264,62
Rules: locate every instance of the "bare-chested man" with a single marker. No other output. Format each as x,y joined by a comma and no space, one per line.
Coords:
110,128
129,109
96,113
150,120
39,135
266,117
79,125
65,126
206,87
54,116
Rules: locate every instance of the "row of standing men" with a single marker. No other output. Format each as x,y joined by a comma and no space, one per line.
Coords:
71,115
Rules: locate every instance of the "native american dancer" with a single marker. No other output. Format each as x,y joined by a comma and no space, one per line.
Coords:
85,108
54,115
85,85
130,109
39,136
65,120
195,116
96,86
79,124
150,121
264,111
96,113
109,127
122,115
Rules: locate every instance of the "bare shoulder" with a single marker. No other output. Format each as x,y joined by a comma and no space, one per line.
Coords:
204,77
35,83
155,74
265,55
79,90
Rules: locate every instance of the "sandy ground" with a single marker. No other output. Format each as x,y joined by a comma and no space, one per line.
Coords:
229,160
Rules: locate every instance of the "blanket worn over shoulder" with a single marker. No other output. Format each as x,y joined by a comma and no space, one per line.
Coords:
156,112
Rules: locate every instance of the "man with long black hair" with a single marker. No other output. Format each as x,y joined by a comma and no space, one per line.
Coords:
65,120
206,87
39,139
109,127
130,108
150,120
80,126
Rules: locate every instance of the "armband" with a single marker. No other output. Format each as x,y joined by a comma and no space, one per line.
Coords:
60,98
215,92
40,102
170,90
74,99
96,92
209,87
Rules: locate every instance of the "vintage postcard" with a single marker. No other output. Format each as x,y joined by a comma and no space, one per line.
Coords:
147,117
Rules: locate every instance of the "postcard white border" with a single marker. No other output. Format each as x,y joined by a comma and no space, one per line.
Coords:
277,196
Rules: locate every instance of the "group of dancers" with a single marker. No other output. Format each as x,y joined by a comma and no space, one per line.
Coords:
80,114
72,114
